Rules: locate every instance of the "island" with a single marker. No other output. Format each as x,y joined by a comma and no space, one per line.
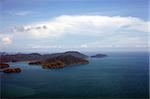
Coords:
56,60
60,61
3,65
12,70
98,56
36,56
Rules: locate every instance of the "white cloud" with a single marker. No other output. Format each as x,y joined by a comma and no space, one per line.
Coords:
112,31
84,46
124,42
46,46
6,40
84,25
22,13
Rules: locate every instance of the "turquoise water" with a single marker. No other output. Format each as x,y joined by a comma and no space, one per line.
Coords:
120,75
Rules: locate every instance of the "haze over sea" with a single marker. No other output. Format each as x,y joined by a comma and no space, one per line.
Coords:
120,75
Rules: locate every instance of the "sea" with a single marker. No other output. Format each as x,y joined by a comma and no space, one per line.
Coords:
119,75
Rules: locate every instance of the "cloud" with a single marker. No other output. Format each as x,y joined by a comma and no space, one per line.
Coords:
108,31
84,46
45,46
6,40
22,13
85,25
124,42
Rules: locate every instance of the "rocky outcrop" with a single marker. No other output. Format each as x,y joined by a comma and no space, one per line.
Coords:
12,70
98,56
3,65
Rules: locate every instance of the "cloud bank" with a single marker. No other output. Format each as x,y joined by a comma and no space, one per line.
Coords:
110,31
86,25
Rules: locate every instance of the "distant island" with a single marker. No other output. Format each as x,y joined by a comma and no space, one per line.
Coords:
99,56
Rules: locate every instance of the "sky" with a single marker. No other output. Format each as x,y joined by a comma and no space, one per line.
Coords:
82,25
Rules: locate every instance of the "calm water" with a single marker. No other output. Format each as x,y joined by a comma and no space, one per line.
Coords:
120,75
